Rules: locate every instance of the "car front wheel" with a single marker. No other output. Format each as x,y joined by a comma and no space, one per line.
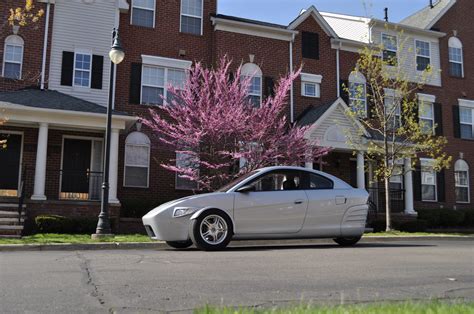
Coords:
347,241
180,244
211,231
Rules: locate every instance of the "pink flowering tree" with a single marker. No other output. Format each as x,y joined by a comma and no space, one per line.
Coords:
217,134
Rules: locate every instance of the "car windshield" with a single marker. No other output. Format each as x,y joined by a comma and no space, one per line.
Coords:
230,185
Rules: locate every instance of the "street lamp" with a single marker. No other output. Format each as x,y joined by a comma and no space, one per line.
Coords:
116,55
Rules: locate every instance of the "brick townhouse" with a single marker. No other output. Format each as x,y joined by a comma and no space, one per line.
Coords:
56,122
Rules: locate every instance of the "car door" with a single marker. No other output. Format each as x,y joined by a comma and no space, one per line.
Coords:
326,205
276,205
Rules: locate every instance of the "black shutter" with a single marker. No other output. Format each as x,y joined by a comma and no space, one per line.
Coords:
269,86
344,85
438,117
417,184
456,122
440,182
135,83
67,68
310,45
97,71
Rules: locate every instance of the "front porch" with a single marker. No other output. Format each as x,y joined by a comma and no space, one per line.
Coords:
54,158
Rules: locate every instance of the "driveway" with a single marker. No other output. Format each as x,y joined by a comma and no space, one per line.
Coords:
169,280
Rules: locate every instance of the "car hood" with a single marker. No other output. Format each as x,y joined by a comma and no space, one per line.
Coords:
201,200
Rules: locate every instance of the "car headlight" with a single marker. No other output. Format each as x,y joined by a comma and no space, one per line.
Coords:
183,211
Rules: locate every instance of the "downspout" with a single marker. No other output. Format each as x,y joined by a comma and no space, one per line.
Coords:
292,106
338,71
45,45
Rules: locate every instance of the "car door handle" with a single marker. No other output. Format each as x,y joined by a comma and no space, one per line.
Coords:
299,202
340,200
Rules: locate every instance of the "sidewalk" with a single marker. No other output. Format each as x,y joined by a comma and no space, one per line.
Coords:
162,245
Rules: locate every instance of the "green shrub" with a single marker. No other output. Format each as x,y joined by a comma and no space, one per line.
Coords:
378,225
418,225
431,216
468,217
451,218
65,225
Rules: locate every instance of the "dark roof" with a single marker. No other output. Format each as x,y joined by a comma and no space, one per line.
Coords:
49,99
312,114
244,20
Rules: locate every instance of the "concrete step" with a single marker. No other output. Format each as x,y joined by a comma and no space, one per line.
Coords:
10,214
10,236
11,230
11,221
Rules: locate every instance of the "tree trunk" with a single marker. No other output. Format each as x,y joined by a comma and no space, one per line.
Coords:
387,205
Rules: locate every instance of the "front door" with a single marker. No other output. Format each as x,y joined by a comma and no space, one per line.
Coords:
277,206
10,160
76,169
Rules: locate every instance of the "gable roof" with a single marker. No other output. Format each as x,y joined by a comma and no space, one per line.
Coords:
350,27
427,17
250,21
312,11
49,99
312,114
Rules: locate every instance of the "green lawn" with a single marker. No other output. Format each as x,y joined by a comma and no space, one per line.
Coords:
385,308
72,238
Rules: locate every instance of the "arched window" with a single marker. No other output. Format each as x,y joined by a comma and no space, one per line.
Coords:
255,89
137,160
13,57
456,67
358,92
461,178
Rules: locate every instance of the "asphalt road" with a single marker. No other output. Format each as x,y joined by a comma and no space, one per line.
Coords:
170,280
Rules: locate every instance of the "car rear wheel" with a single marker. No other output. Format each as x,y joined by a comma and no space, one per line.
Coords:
180,244
347,241
211,231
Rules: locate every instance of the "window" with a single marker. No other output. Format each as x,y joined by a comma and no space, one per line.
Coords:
456,68
428,181
392,109
311,85
253,71
426,115
13,57
467,122
396,180
358,93
461,178
137,160
317,182
191,16
186,161
278,181
155,81
390,48
310,45
422,52
143,13
82,69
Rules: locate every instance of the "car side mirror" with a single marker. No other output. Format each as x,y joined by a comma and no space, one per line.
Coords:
246,189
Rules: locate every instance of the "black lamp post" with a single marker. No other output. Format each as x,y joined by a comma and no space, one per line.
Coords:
116,55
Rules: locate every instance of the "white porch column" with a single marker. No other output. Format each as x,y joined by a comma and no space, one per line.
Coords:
40,168
309,161
113,170
360,170
408,185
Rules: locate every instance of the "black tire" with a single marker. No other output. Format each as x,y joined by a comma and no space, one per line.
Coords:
347,241
203,244
180,244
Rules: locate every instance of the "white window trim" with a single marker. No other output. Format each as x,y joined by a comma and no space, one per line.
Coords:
254,72
385,48
462,54
467,104
16,43
315,79
358,78
125,165
418,55
260,94
181,14
165,80
427,99
428,163
468,186
391,93
143,8
82,52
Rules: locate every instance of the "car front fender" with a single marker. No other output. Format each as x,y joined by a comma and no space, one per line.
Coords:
202,210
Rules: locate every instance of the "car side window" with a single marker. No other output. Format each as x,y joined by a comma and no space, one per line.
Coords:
278,181
317,182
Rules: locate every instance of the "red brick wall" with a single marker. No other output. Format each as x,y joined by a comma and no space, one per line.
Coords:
33,36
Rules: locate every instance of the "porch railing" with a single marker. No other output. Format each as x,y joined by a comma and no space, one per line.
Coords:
81,185
377,198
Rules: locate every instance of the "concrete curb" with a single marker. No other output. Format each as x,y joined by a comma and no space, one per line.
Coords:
163,245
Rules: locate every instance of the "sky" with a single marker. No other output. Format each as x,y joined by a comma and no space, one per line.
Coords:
284,11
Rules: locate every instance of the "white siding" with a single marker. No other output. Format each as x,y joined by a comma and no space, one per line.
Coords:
407,57
82,25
